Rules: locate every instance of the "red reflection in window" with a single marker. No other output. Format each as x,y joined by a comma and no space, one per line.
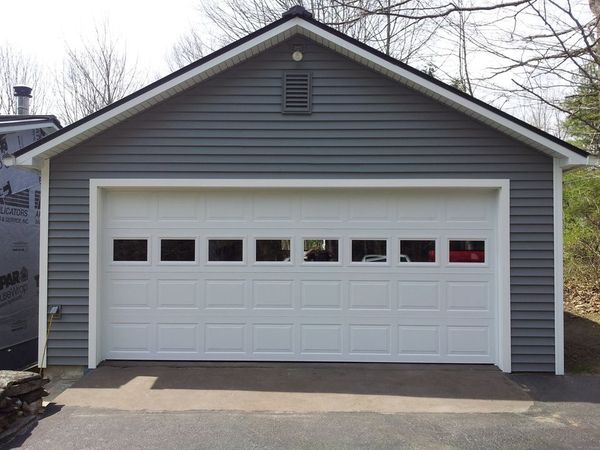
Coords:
467,251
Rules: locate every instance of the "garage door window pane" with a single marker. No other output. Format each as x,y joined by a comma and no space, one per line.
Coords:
131,250
321,250
177,250
369,250
273,250
463,251
414,250
231,250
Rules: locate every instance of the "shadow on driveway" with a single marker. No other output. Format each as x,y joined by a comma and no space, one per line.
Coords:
297,387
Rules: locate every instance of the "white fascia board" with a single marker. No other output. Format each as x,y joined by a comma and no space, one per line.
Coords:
29,125
162,91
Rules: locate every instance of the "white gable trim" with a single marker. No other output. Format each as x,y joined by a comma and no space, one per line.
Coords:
269,38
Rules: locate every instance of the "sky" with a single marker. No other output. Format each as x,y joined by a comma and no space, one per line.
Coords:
148,27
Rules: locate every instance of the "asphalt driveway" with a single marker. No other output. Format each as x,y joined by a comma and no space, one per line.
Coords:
325,406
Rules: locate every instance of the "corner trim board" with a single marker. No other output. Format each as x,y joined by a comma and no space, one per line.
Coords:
43,274
503,264
93,353
559,333
97,186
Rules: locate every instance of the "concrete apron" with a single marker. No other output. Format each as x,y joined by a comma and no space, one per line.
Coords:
297,388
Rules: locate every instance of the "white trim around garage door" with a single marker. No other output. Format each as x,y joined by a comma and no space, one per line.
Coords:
503,217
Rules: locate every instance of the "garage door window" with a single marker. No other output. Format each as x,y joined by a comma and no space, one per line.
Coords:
225,250
466,251
369,250
130,250
417,251
321,250
177,250
273,250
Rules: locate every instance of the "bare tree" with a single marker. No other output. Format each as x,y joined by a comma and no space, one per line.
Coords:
16,68
538,47
189,48
410,30
94,75
385,31
551,52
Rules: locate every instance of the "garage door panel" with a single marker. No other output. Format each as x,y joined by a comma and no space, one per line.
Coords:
297,310
270,207
416,207
181,206
225,338
469,207
468,296
130,206
419,340
129,293
273,294
225,294
273,338
468,340
177,337
177,293
323,207
365,208
226,207
370,339
419,295
130,337
368,295
321,294
321,338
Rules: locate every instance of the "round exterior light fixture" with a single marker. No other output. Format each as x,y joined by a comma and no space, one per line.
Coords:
297,56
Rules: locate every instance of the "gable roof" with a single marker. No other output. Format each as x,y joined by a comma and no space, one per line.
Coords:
296,21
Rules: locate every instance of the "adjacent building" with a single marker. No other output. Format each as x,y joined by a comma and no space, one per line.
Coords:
19,237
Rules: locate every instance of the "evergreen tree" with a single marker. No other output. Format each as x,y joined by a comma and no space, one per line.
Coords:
583,107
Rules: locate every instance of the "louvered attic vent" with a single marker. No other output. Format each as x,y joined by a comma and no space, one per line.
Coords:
296,92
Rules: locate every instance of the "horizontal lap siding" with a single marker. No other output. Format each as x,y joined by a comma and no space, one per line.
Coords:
362,126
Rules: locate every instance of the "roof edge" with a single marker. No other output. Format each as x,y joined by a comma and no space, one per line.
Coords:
574,156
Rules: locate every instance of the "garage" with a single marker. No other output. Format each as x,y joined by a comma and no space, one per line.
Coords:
299,196
298,274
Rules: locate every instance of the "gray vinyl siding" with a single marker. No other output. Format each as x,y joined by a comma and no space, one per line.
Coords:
362,126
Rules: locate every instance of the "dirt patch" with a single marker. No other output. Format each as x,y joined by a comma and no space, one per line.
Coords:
582,343
582,300
582,329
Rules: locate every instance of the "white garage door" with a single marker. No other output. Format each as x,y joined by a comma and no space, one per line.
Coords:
299,275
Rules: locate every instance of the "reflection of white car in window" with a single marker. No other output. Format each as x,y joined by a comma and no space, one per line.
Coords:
374,258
